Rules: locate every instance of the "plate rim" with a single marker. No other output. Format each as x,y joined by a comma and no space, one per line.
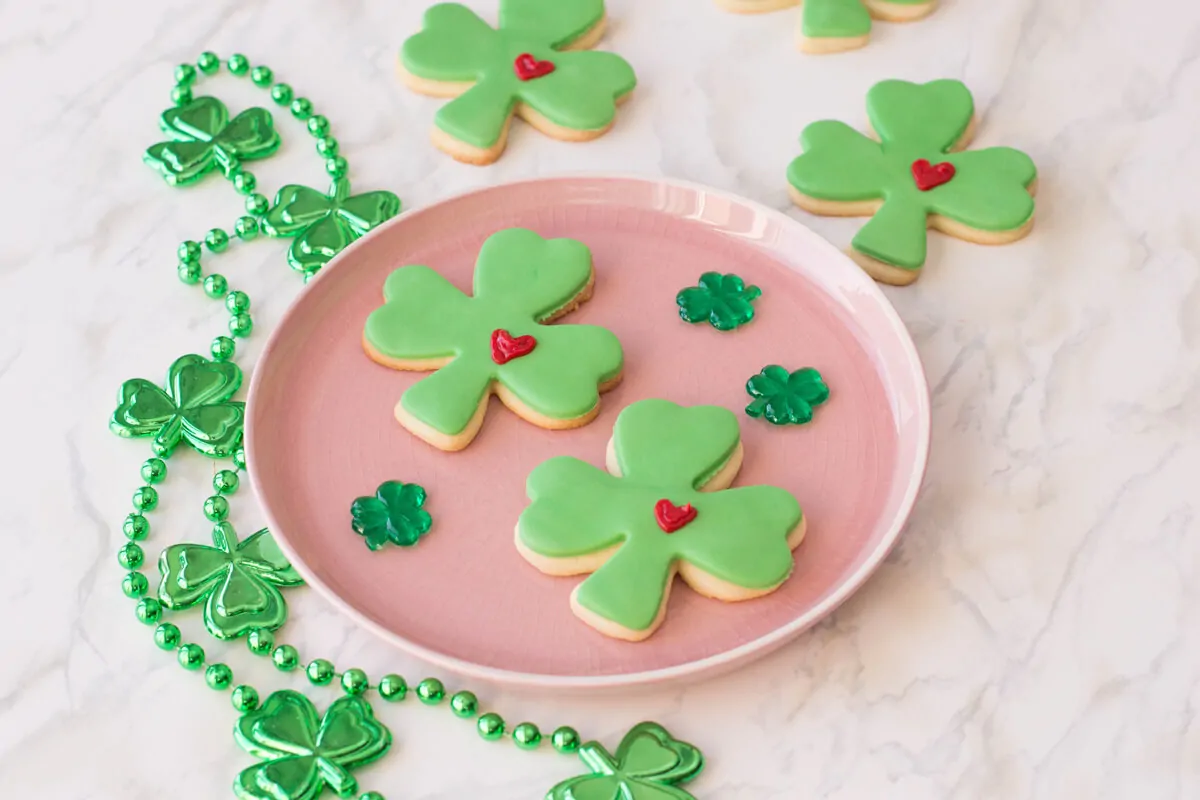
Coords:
707,666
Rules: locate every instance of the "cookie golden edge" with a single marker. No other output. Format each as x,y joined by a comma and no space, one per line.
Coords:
878,9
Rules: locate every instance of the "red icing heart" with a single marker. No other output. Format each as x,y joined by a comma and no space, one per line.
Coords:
527,67
506,347
929,175
671,517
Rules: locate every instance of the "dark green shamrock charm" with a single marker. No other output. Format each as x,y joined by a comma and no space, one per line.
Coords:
724,301
394,515
203,138
237,582
649,765
304,753
324,224
194,408
784,398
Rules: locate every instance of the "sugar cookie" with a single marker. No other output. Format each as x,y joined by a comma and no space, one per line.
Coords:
833,26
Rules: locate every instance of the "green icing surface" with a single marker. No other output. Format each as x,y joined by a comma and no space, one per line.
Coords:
456,45
914,121
664,451
520,279
834,19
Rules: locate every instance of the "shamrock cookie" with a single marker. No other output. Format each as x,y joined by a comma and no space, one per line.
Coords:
662,508
832,26
522,68
912,178
495,341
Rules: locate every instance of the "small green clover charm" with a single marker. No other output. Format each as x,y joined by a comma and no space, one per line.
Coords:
724,301
649,765
324,224
913,178
304,753
204,138
238,582
784,398
394,515
195,408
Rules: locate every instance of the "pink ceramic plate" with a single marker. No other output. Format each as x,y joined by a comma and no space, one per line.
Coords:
320,430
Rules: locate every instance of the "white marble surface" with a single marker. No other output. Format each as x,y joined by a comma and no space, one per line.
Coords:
1037,632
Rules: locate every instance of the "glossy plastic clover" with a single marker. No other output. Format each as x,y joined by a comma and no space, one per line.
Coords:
522,68
785,398
303,752
724,301
649,765
662,507
204,138
195,408
394,515
911,179
238,582
495,341
833,26
324,224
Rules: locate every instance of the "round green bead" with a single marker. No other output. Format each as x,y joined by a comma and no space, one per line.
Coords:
240,325
222,348
431,691
181,95
190,251
565,740
261,76
189,272
244,182
302,108
257,204
218,676
134,584
239,458
260,641
490,726
246,228
225,481
319,671
216,286
238,64
336,166
244,698
527,736
149,611
208,62
216,508
327,147
145,498
191,656
464,704
130,556
136,527
185,74
154,470
355,681
370,796
309,275
285,658
318,125
393,688
237,302
216,240
166,636
281,93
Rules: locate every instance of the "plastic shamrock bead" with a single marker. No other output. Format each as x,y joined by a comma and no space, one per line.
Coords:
786,398
662,507
912,179
323,224
649,765
238,582
496,340
303,752
204,138
530,66
724,301
195,407
394,515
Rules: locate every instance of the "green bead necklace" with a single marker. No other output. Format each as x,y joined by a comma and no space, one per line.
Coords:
231,578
